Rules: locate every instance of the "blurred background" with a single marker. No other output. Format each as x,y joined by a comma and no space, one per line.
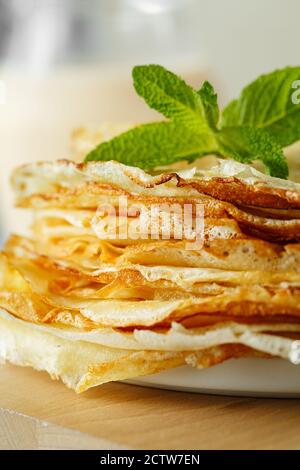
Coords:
67,63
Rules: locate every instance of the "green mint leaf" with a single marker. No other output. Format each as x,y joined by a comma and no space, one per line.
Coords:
209,99
270,103
247,144
170,95
249,131
155,144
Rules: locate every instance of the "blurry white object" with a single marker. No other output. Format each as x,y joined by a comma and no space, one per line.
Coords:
153,7
66,65
40,114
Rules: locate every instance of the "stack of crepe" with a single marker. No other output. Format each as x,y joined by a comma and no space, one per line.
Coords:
90,309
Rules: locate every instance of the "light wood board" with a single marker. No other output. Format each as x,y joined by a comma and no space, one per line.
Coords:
125,416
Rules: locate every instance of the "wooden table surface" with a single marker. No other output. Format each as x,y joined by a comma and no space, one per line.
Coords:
39,413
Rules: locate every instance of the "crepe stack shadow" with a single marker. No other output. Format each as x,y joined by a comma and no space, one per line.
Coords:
89,309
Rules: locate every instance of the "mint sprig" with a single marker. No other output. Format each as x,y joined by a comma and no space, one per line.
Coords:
170,95
241,143
267,103
250,128
209,100
154,144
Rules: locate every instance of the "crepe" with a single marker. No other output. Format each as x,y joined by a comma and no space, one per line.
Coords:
89,253
21,250
53,294
264,339
59,179
89,304
80,365
122,230
259,203
81,362
169,225
268,338
84,140
221,254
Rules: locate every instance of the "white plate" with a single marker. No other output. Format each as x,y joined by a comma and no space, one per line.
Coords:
243,377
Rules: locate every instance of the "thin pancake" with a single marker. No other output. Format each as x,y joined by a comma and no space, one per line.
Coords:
229,180
88,253
253,255
64,278
274,340
25,292
123,230
80,365
282,228
219,254
238,224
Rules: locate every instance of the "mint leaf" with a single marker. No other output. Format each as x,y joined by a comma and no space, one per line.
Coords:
170,95
209,100
267,104
162,143
193,130
247,144
155,144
